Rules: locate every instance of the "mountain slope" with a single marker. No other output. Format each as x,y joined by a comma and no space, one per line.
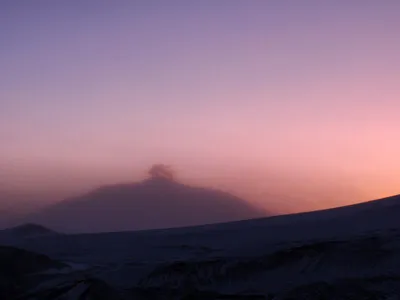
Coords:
154,203
350,252
343,253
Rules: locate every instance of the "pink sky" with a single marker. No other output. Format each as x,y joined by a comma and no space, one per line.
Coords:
257,97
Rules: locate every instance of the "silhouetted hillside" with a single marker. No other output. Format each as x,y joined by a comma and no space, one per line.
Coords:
153,203
29,230
18,234
16,268
349,252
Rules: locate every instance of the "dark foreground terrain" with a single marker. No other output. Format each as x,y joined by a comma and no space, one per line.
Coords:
346,253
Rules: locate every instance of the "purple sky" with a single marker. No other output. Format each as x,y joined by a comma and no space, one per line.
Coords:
300,98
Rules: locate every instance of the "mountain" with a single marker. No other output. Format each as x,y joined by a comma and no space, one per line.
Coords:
153,203
28,230
351,252
23,232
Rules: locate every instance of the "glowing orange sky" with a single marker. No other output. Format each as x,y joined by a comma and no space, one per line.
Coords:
259,98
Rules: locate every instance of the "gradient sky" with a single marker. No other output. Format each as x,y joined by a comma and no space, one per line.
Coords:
284,97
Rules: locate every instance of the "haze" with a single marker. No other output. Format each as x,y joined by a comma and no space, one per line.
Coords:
290,104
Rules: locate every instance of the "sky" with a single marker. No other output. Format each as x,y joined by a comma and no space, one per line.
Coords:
292,104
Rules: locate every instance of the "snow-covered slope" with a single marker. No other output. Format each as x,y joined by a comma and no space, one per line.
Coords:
345,253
